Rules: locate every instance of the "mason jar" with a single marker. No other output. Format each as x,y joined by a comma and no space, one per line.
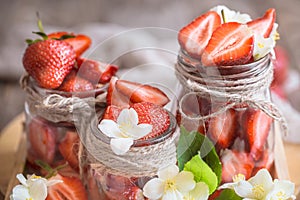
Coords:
52,136
232,106
121,177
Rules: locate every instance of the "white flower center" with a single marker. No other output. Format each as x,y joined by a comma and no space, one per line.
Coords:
170,185
258,191
124,127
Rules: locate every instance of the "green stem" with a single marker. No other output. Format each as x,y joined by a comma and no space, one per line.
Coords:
223,16
39,23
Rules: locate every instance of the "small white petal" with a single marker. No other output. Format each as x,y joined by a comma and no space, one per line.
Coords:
185,181
154,188
121,145
244,189
264,178
227,186
128,116
22,179
38,190
168,172
200,192
283,185
140,131
110,128
20,193
172,195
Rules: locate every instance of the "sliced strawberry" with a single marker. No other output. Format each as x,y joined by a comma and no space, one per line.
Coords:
281,66
194,37
112,112
114,97
222,129
74,83
266,161
149,113
263,25
70,188
235,162
141,93
256,126
69,147
230,44
79,42
42,139
95,71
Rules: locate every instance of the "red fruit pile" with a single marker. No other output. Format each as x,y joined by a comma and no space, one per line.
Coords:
55,62
215,43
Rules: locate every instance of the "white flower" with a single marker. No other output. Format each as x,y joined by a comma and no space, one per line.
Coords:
34,188
200,192
170,184
262,46
261,187
231,15
125,131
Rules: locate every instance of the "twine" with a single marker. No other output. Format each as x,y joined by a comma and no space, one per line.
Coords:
57,108
235,91
137,162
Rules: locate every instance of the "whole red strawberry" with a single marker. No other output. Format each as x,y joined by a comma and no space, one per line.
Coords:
49,61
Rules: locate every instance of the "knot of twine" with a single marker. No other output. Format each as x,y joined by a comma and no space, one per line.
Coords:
137,162
235,91
55,107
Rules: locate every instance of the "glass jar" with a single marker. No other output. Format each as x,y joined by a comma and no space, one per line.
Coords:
230,105
52,136
121,177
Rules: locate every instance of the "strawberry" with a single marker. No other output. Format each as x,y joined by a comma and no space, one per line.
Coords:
49,62
112,112
114,97
95,71
222,129
69,147
230,44
42,139
70,188
236,162
80,42
266,161
194,37
141,93
74,83
256,126
281,66
149,113
263,25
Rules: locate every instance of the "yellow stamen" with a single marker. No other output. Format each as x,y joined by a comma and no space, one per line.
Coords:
238,178
258,191
170,185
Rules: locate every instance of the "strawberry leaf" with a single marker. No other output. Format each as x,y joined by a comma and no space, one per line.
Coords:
228,194
42,34
202,172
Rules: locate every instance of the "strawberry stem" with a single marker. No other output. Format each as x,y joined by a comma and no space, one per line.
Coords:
223,16
39,23
50,171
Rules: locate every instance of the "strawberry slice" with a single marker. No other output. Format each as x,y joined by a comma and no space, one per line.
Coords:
95,71
236,162
230,44
194,37
141,93
69,147
266,161
74,83
222,129
79,42
70,188
256,126
114,97
149,113
112,112
264,25
42,139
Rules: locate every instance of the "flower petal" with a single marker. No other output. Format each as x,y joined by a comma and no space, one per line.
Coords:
244,189
20,193
139,131
284,187
172,195
200,192
128,116
38,189
22,179
184,181
121,145
264,178
110,128
168,172
154,188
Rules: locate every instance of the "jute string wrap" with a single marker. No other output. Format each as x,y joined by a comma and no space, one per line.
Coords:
58,108
137,162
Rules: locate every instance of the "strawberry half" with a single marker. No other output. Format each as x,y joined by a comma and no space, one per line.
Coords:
79,42
49,62
194,37
149,113
95,71
70,188
69,147
137,92
112,112
42,139
222,129
114,97
74,83
256,126
235,162
264,25
230,44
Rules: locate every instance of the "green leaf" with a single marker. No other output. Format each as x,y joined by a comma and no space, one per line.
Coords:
66,36
228,194
202,172
42,34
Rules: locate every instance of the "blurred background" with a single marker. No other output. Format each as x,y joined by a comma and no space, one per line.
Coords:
102,19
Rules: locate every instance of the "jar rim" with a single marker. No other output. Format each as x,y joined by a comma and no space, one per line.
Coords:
139,143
